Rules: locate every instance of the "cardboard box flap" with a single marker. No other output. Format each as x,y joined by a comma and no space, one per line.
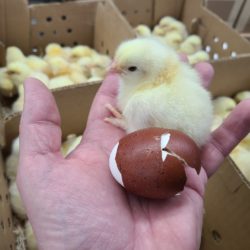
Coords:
229,175
215,33
107,22
226,83
227,217
76,98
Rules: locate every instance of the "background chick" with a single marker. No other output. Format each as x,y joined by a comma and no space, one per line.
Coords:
199,56
191,45
158,90
7,88
142,30
18,72
14,54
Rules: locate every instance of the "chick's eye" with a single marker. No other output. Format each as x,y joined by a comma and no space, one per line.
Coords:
132,68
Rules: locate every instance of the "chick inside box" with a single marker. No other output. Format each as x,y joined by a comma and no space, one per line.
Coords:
62,44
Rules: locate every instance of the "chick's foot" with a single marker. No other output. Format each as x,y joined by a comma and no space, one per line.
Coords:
118,119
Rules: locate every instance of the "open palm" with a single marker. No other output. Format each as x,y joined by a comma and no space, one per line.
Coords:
74,203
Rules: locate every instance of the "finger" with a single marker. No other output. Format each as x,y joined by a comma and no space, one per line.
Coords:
206,72
97,130
40,131
226,137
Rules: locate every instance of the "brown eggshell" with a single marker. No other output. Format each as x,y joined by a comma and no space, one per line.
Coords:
139,160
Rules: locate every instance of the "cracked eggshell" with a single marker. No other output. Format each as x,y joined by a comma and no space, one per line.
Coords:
151,162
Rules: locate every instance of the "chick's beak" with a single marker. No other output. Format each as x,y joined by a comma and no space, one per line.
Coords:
114,68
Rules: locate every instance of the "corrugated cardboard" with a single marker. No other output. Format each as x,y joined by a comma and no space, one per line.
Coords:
243,23
227,206
228,10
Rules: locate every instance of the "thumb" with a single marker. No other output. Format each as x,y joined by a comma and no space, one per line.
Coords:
40,131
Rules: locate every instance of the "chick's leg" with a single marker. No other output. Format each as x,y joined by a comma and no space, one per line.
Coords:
118,119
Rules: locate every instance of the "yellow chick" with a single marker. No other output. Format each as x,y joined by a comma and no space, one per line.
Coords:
217,121
98,72
191,45
158,31
67,53
7,88
103,61
86,64
15,146
16,202
12,160
245,143
223,105
60,81
53,49
242,96
30,237
11,166
58,65
95,79
170,24
76,73
70,144
77,77
37,64
157,89
142,30
18,72
14,54
81,51
173,39
199,56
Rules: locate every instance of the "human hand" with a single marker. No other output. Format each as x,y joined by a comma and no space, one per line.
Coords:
75,203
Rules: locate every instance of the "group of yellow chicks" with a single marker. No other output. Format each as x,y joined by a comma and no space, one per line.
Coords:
222,107
60,66
25,238
174,33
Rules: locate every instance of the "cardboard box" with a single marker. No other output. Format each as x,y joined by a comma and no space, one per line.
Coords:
90,22
243,23
221,41
228,10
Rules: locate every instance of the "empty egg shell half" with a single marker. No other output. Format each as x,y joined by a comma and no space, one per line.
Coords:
151,162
